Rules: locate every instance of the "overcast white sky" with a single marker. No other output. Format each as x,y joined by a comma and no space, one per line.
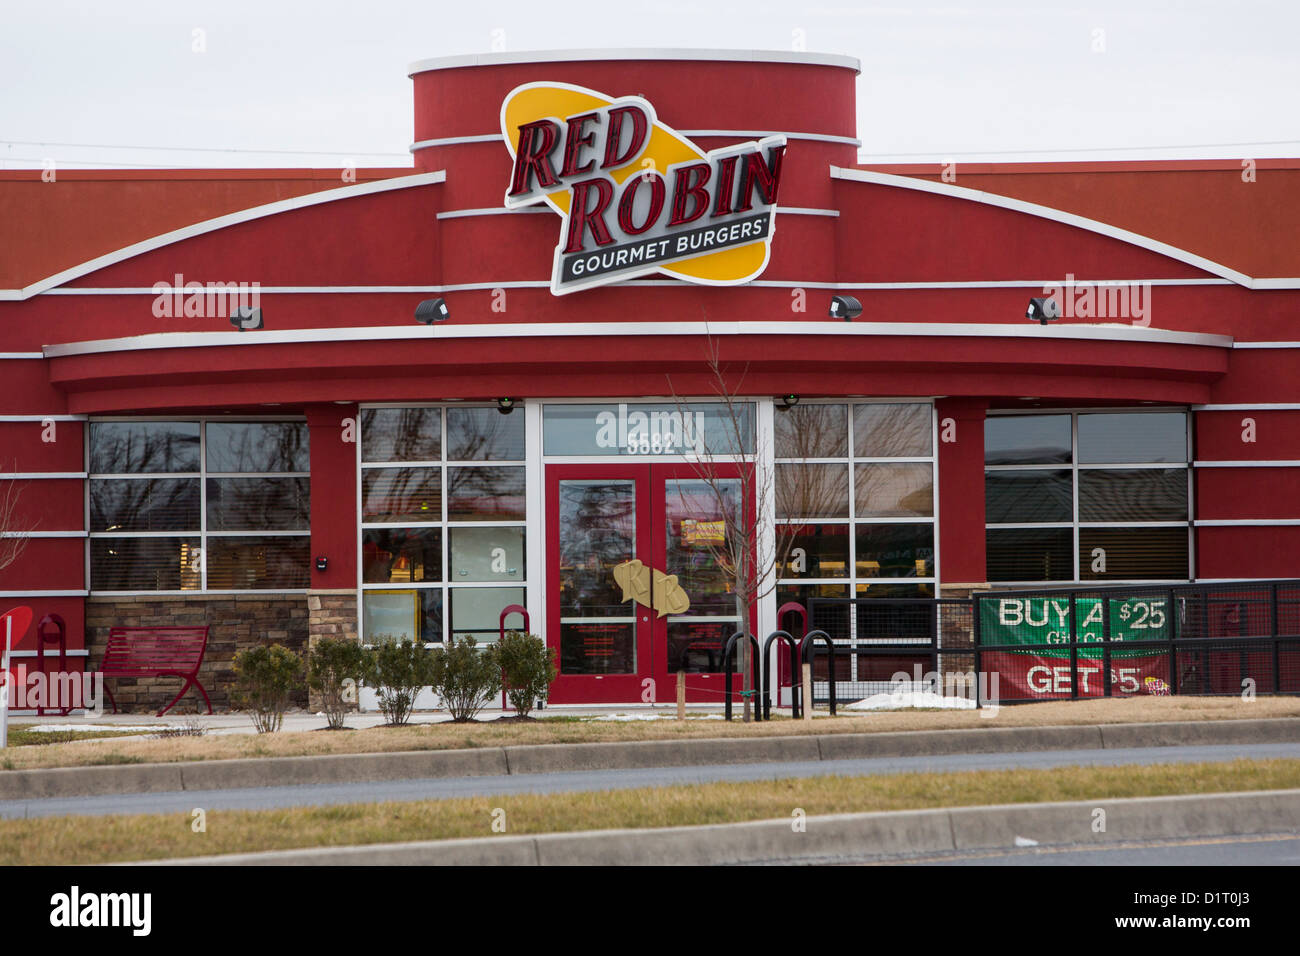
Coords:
323,83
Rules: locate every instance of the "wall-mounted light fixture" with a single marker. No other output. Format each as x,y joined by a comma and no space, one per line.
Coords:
322,563
506,405
1043,309
245,319
845,307
432,310
787,402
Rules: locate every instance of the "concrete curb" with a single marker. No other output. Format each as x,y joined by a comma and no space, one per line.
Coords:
827,838
559,758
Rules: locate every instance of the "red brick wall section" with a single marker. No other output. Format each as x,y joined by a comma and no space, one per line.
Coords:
237,622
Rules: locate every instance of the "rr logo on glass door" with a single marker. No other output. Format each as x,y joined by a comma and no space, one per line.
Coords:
634,196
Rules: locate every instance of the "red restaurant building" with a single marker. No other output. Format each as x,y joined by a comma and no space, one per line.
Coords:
487,380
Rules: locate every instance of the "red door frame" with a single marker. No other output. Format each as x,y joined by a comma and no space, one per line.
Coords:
651,483
603,688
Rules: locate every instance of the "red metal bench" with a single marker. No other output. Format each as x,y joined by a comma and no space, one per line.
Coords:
156,652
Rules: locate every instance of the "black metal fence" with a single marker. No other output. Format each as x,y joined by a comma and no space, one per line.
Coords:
1229,638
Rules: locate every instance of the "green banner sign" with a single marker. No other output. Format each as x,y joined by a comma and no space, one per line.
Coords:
1046,621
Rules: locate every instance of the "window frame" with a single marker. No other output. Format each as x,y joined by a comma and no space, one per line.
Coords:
202,475
1074,467
445,586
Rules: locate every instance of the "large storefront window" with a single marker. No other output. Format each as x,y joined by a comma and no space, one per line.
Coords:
854,503
442,521
199,505
1087,496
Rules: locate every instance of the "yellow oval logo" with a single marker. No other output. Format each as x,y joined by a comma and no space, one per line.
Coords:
635,197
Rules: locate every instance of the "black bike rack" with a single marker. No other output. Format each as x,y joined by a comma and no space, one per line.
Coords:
805,646
727,653
767,672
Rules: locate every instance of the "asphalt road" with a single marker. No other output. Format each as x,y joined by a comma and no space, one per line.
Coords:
264,798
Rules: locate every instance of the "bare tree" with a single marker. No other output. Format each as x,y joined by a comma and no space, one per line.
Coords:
743,489
14,533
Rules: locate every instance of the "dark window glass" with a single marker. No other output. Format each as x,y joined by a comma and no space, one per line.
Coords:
815,550
1030,554
1139,494
1018,497
476,612
484,434
271,563
485,494
891,431
157,504
259,504
894,491
126,448
402,615
696,646
1144,437
1133,554
487,554
597,647
812,431
812,491
257,446
596,527
895,550
145,564
401,555
1026,439
401,494
401,434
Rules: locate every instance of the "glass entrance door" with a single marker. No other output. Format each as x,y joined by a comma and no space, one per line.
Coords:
638,581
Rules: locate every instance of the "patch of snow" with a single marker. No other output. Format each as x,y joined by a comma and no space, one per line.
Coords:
1025,841
908,700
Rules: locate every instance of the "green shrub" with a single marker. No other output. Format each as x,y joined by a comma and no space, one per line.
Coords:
397,670
329,664
267,676
465,678
528,667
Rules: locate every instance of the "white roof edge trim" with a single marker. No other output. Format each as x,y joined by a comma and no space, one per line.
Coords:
168,340
632,53
1048,212
221,222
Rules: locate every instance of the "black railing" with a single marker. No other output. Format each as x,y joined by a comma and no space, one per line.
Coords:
1224,638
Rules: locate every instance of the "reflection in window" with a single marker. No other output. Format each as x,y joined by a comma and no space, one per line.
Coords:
1106,523
1027,439
891,431
259,504
894,490
484,434
401,434
811,431
126,510
257,447
154,504
1136,437
128,448
485,494
401,494
432,526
